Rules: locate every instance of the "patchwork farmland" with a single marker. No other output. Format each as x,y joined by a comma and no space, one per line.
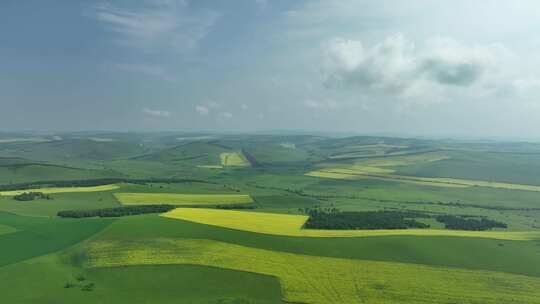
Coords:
270,219
269,152
308,279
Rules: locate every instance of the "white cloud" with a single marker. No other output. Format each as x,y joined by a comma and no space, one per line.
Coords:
202,110
399,68
207,107
165,24
345,54
448,61
384,67
244,106
150,70
156,113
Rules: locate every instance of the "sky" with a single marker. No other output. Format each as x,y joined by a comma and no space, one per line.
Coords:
462,68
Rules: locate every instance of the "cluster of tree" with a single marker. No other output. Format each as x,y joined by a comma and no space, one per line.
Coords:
97,182
30,196
319,209
236,206
88,287
116,212
462,223
321,219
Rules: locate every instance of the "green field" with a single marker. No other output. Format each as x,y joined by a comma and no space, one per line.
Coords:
362,171
505,256
134,284
6,229
181,199
308,279
202,253
59,202
38,236
515,168
26,172
61,190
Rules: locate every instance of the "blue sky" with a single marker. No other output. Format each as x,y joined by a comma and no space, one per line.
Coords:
462,68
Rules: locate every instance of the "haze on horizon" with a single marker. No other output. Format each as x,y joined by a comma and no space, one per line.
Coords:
425,67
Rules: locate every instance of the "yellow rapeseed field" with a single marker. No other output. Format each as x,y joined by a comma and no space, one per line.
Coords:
362,171
181,199
325,280
291,225
404,160
62,190
339,173
210,166
233,159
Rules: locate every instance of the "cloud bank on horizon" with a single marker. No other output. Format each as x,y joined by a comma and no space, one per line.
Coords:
462,68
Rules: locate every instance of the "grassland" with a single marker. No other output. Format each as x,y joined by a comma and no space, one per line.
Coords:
407,160
518,168
58,202
46,276
6,229
362,171
181,199
517,257
354,174
385,169
62,190
214,256
39,236
233,159
370,150
309,279
273,154
291,225
186,154
33,171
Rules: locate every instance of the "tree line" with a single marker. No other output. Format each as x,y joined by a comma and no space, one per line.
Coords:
461,223
30,196
116,212
355,220
332,218
96,182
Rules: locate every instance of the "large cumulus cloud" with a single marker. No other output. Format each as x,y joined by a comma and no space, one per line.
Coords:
398,67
